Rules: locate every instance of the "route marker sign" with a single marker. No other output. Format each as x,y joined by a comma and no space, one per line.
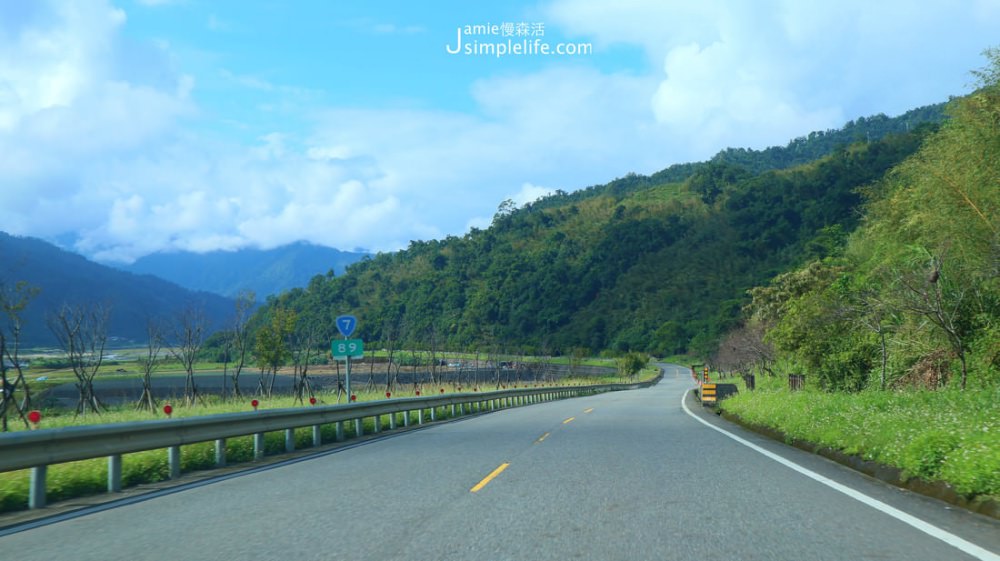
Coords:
346,325
343,349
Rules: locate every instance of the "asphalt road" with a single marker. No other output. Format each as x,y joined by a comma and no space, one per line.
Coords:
622,476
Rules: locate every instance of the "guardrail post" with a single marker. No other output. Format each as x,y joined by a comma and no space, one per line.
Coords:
340,431
359,427
406,418
420,416
317,435
36,487
289,440
461,409
452,409
114,473
378,423
433,413
220,452
392,422
258,446
174,461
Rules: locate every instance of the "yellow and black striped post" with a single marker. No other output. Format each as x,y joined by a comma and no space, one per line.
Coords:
708,394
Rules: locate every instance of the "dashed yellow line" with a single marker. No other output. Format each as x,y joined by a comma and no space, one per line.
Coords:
570,420
588,410
543,437
489,478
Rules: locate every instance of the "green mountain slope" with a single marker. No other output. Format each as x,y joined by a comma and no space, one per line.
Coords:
637,264
67,278
914,298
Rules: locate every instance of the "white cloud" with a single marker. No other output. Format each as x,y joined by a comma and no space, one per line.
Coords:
530,193
756,74
96,136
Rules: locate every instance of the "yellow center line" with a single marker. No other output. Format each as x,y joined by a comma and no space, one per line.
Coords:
543,437
570,420
588,410
489,478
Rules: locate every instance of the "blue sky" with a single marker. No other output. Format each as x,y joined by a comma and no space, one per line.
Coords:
134,126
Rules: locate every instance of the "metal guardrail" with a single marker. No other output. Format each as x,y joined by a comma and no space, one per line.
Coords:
39,449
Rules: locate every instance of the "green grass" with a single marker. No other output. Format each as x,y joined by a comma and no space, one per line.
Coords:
947,435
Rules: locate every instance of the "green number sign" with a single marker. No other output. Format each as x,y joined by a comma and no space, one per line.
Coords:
348,348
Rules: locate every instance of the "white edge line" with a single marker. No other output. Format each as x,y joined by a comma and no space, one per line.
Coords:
925,527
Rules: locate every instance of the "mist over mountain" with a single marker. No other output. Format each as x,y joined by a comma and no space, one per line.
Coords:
65,278
265,272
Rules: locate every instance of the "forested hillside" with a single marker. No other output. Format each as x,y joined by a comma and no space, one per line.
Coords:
642,263
64,278
914,297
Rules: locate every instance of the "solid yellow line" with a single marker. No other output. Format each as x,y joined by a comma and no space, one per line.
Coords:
488,478
570,420
588,410
543,437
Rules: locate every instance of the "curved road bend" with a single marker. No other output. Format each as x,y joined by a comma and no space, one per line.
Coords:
622,476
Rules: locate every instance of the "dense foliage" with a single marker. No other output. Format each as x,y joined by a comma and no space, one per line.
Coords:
641,264
914,297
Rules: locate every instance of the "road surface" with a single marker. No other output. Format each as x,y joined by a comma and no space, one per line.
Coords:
620,476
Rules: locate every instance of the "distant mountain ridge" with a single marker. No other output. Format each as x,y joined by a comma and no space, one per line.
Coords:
63,277
227,273
798,151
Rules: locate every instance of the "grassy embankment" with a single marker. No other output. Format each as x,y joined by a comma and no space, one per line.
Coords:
947,435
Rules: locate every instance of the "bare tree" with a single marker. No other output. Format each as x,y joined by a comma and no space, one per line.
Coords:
82,332
874,313
390,335
744,351
304,340
935,297
239,339
12,302
189,336
433,351
149,362
576,357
